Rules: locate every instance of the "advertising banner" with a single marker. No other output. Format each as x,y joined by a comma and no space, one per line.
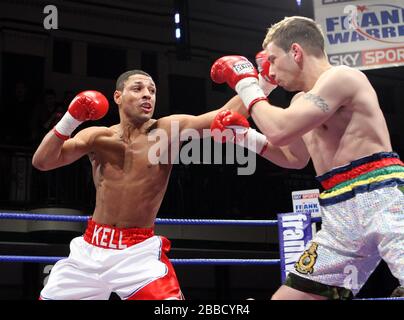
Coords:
294,233
306,200
365,34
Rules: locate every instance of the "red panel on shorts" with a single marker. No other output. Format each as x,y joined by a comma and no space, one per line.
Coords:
163,288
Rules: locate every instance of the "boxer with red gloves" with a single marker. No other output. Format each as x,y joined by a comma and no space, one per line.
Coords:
119,251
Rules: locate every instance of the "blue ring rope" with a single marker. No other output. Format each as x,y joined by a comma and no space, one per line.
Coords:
48,217
68,218
388,298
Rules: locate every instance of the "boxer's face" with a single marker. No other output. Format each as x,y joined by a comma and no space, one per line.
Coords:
138,97
284,67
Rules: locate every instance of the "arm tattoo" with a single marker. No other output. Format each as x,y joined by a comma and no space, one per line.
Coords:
318,101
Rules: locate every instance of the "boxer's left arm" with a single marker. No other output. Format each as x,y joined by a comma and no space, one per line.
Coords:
236,103
203,121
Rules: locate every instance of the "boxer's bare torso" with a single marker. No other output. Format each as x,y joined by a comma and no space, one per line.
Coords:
132,160
129,187
355,130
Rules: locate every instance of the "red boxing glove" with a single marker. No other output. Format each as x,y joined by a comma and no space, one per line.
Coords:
228,119
232,69
87,105
239,74
266,82
240,133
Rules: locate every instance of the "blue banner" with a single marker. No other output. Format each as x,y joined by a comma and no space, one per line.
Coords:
294,230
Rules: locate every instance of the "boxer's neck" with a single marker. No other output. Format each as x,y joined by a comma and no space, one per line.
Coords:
129,130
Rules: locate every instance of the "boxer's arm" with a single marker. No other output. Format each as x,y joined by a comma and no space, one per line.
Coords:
235,104
309,110
53,152
57,148
232,127
292,156
203,121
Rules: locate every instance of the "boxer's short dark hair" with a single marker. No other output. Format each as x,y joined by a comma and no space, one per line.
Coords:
120,83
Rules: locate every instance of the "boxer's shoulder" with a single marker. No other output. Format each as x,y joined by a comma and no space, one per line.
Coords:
95,132
171,122
94,138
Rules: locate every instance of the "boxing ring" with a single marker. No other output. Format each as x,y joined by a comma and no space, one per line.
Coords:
158,221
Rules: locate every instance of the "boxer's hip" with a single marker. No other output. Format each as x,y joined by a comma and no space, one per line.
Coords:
106,236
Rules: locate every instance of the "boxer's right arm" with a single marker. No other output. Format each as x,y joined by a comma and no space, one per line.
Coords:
53,152
87,105
291,156
57,149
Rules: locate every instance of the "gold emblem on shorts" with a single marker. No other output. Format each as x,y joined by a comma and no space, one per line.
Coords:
307,260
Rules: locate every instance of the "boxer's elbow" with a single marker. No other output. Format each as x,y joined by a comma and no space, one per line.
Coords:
277,136
40,163
37,164
300,164
297,160
278,139
295,164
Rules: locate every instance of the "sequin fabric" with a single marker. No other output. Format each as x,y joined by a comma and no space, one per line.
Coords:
360,229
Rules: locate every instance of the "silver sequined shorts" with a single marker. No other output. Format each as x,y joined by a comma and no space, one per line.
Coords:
362,223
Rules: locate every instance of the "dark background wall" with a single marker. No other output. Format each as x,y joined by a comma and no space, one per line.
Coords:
41,70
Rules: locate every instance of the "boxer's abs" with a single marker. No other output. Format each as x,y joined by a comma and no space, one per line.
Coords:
330,146
130,199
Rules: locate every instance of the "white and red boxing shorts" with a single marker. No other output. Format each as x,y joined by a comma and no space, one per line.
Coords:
131,262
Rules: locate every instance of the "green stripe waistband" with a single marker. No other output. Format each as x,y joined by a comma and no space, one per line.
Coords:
371,174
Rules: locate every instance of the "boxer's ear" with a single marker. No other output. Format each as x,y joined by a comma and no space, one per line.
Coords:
118,97
297,52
